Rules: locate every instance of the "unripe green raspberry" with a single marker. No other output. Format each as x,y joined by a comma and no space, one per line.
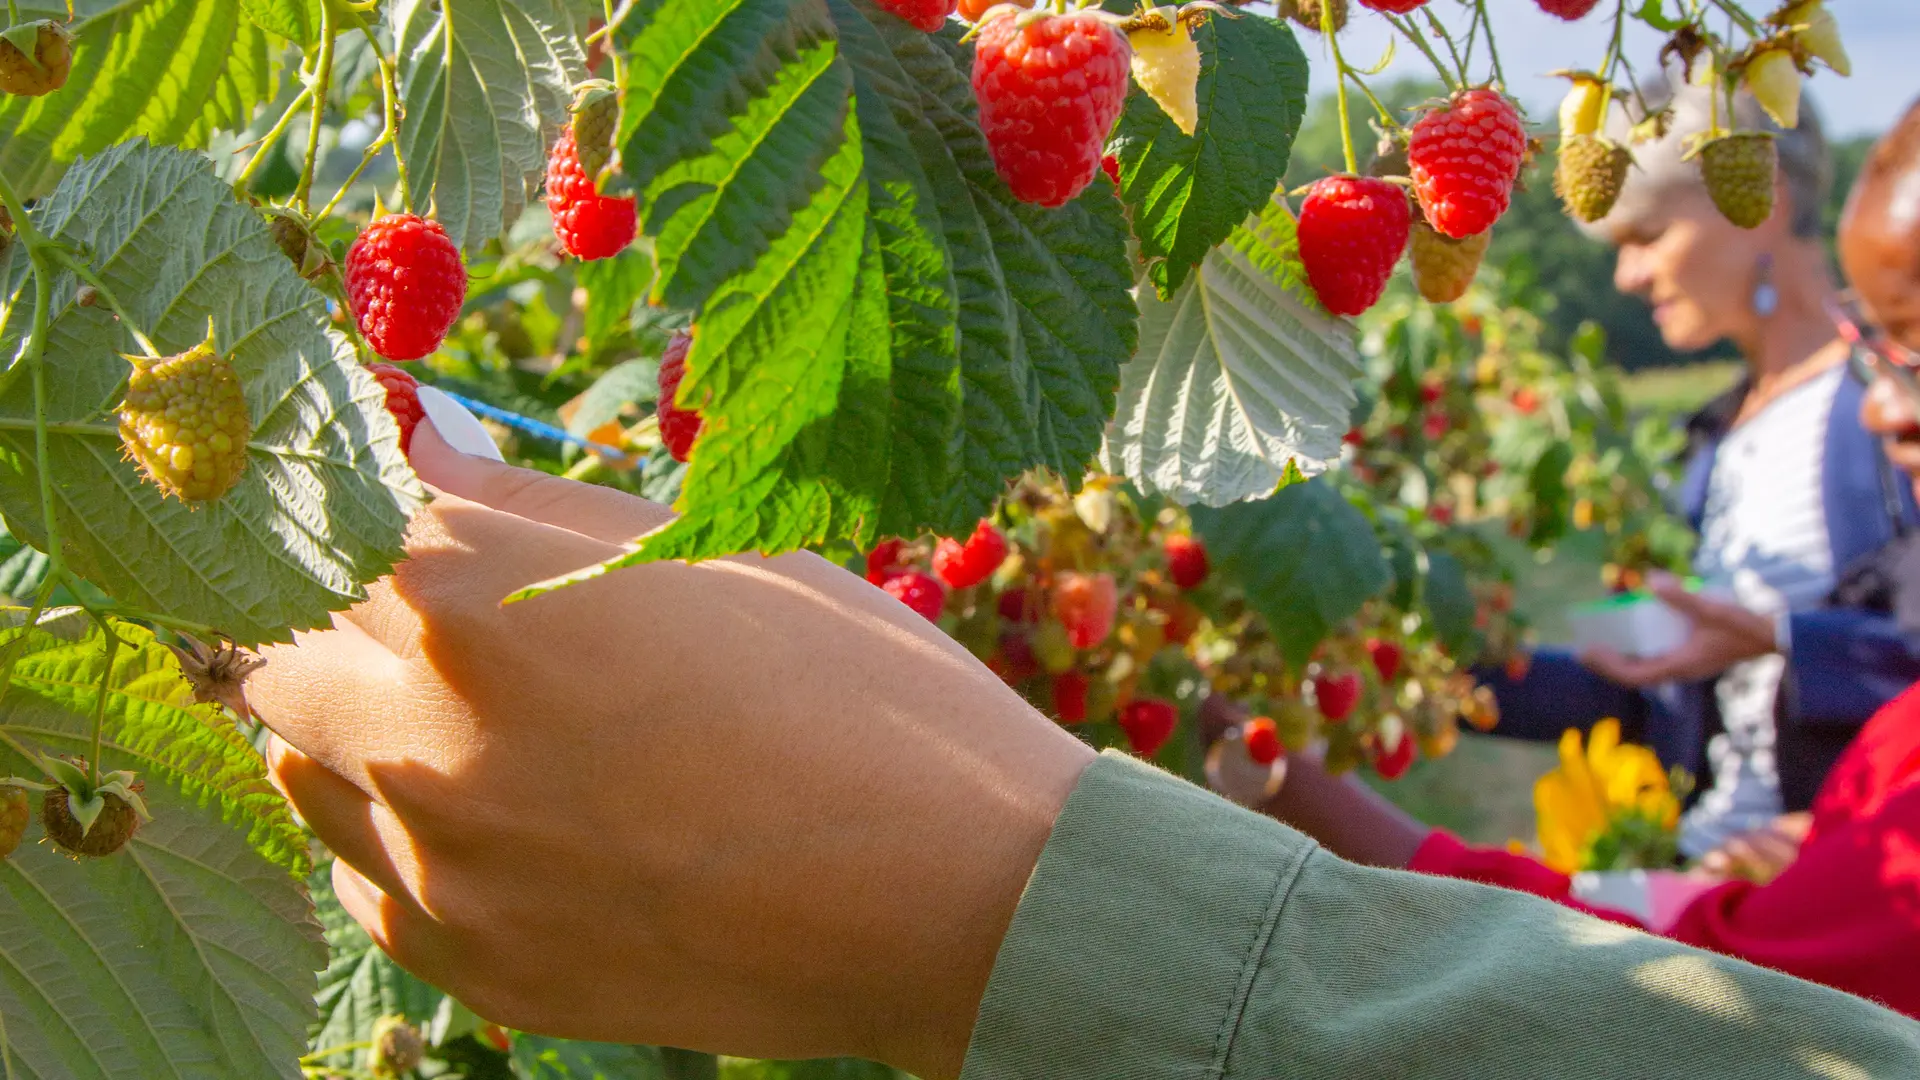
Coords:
1590,174
1739,171
185,421
596,113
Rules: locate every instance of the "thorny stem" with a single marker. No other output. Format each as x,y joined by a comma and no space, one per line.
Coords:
1412,33
322,1055
1440,31
322,79
268,141
1386,115
199,630
1739,16
85,273
366,159
1613,46
613,54
389,94
1340,86
1493,48
100,699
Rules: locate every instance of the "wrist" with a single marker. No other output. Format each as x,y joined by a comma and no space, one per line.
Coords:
985,839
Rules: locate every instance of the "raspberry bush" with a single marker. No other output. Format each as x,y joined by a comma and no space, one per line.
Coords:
801,267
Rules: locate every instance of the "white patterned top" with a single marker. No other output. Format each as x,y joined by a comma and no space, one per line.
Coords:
1764,541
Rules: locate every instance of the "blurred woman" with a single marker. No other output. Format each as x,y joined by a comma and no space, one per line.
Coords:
1842,906
1785,487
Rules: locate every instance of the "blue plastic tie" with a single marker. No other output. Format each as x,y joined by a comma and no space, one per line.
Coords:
540,428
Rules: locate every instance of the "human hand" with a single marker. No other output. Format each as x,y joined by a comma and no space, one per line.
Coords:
1723,635
752,806
1763,854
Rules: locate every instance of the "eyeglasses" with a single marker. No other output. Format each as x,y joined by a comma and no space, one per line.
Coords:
1849,317
1884,356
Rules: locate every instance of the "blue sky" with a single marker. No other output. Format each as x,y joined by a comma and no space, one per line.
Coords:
1883,38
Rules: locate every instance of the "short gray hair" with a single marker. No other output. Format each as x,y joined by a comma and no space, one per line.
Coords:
1805,161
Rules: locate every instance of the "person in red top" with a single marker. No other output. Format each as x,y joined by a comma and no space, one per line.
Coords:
1838,896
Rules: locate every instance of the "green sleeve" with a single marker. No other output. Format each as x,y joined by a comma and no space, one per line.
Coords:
1167,934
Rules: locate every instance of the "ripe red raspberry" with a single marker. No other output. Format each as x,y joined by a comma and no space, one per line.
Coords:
1049,91
928,15
1387,656
1397,7
1337,695
1262,738
1018,605
884,560
1567,9
405,283
590,225
1014,661
962,566
1435,423
1186,560
1464,160
403,400
1070,697
1149,723
1352,231
679,427
1086,605
921,592
1393,762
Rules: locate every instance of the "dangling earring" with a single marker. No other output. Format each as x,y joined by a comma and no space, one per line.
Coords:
1766,295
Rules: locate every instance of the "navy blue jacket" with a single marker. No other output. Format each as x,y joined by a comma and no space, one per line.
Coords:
1846,662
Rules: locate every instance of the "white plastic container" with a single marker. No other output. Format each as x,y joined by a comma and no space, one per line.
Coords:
1636,625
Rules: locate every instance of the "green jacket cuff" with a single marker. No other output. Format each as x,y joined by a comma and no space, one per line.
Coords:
1139,935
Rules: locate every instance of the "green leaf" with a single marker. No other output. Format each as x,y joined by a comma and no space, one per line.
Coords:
296,20
174,71
1450,604
950,338
1188,192
361,984
192,951
326,496
1306,558
538,1058
22,570
613,286
1652,14
628,383
483,85
1241,377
